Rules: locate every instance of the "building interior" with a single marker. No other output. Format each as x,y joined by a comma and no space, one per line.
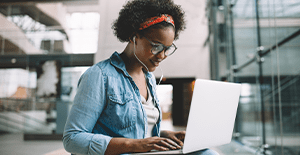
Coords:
46,45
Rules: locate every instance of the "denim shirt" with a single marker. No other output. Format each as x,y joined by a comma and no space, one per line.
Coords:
107,104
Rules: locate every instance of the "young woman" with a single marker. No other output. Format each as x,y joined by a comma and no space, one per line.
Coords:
116,110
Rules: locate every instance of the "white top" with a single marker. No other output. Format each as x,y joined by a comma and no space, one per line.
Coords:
151,111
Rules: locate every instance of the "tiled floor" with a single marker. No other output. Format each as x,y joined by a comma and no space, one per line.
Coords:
13,144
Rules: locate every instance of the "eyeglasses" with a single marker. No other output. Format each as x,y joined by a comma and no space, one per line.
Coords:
157,48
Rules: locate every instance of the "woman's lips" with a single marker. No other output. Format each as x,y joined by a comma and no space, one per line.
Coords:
155,63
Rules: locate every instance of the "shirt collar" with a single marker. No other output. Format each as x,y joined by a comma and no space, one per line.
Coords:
117,61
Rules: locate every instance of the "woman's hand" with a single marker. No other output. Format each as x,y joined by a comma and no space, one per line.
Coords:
170,141
154,143
125,145
176,136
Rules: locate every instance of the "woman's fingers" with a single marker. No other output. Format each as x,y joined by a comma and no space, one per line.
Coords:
160,148
168,143
176,136
179,137
163,144
174,144
178,141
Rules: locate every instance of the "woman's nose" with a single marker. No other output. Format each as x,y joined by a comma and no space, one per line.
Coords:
161,55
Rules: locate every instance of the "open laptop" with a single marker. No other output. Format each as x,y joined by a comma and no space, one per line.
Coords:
211,117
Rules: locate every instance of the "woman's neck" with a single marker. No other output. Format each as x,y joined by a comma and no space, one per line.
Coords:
135,69
133,66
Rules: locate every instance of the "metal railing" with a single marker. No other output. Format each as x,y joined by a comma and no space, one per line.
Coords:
13,115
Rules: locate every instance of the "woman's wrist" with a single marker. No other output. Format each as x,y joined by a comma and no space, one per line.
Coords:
129,145
120,146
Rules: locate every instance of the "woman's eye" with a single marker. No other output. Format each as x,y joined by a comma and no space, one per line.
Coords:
156,47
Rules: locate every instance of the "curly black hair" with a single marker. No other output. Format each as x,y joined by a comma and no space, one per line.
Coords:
136,12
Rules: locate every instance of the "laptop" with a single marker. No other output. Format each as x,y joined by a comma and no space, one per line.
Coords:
211,117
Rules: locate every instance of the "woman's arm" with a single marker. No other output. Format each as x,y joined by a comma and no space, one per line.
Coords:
88,104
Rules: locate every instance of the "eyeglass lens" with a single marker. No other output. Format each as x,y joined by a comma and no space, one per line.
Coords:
159,48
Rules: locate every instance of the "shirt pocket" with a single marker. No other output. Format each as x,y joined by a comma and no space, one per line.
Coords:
121,113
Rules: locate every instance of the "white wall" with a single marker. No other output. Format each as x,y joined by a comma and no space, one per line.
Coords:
190,60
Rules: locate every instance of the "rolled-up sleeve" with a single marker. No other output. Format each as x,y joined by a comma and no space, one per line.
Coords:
87,107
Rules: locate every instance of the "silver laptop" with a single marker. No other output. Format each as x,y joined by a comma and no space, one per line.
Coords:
211,118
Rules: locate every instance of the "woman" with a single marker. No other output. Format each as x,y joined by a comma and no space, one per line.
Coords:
116,110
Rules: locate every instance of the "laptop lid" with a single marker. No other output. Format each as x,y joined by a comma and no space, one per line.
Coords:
212,114
211,117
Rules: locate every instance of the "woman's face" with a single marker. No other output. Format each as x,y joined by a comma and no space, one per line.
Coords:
163,36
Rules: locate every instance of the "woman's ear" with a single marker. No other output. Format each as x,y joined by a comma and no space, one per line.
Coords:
132,37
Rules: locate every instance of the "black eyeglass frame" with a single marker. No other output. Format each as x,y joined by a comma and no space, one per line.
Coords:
164,47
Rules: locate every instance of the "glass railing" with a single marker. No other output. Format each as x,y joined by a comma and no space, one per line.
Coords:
266,49
23,109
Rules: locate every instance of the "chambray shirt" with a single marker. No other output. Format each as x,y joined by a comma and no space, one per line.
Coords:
107,104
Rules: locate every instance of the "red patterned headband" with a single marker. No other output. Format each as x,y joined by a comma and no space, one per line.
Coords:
157,19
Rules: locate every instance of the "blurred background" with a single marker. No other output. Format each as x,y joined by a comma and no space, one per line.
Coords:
45,46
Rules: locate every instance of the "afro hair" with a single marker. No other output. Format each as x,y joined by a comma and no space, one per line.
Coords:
136,12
